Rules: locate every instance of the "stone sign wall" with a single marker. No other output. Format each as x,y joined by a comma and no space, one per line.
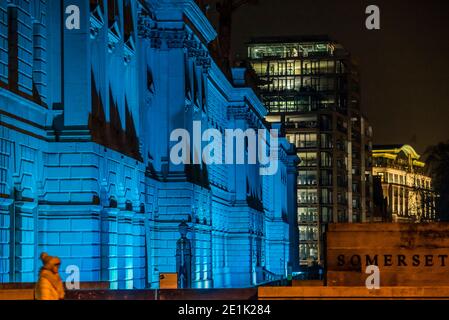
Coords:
406,254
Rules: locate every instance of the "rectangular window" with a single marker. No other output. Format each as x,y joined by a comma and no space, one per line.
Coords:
327,66
326,196
308,196
341,145
326,214
261,68
326,84
308,159
40,54
308,233
20,48
307,215
307,140
326,122
326,140
342,216
307,178
326,159
326,178
291,138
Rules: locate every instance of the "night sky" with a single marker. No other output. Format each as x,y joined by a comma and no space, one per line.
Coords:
404,66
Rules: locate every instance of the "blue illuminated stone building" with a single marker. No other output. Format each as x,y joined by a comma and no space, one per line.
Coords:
85,173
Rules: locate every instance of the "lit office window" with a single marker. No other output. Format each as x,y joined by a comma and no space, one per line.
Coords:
308,159
308,196
326,214
326,159
306,215
307,178
307,140
326,140
326,178
326,196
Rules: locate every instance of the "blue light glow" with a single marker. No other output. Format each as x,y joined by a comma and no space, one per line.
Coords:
84,152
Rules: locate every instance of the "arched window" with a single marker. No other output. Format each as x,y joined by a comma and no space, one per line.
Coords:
112,202
128,206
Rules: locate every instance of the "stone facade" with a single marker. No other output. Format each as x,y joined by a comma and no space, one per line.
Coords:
85,171
407,193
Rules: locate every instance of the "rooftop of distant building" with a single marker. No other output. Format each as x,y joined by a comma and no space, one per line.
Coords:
290,39
391,151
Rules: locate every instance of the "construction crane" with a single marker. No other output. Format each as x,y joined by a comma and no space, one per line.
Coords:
226,9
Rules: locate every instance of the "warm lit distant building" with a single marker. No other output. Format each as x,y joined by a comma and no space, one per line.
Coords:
406,188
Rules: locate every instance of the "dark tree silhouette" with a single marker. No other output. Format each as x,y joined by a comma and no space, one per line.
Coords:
380,202
438,168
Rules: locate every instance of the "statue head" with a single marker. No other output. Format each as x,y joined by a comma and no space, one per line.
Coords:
183,229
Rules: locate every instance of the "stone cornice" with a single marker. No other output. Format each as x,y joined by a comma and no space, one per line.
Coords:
243,112
169,9
164,39
248,95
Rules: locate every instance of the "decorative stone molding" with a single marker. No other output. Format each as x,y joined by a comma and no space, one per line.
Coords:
244,113
114,36
191,45
96,22
144,25
160,38
204,61
174,39
237,112
196,51
196,109
129,50
187,106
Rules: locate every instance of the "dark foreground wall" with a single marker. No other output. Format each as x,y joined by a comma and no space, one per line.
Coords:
191,294
104,294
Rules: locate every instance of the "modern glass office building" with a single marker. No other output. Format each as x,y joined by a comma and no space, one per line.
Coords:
311,85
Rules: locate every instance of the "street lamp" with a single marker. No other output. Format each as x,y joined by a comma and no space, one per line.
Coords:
183,256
